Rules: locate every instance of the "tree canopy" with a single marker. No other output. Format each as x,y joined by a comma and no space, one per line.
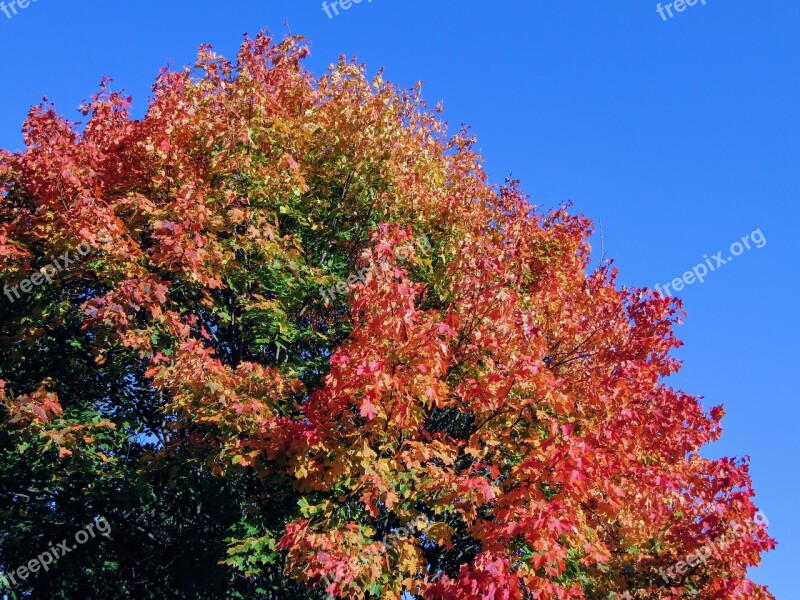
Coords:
284,335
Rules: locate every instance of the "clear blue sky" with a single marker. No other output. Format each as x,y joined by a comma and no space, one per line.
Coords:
680,136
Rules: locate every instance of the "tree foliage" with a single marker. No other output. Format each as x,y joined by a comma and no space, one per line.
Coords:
477,414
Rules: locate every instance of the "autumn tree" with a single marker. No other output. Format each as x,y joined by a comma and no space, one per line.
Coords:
288,340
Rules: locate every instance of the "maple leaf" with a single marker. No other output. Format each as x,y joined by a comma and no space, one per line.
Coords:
368,410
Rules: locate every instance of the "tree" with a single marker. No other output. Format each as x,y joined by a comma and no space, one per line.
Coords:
284,336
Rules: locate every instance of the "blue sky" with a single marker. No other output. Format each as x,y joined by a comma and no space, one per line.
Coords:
681,136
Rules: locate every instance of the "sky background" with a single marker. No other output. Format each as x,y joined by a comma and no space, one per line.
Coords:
680,137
